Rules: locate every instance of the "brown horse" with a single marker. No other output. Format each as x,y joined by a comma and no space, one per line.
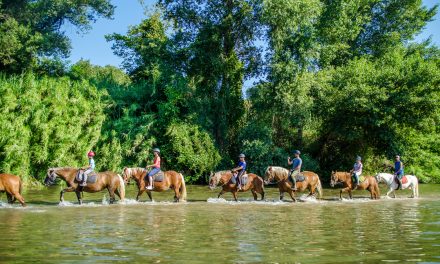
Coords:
12,185
172,179
254,183
109,180
280,174
370,184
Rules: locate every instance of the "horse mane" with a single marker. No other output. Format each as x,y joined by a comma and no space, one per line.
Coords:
133,171
277,171
60,168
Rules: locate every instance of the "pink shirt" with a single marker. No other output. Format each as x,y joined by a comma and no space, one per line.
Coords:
156,162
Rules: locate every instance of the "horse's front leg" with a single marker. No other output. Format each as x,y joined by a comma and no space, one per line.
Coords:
281,195
220,193
389,192
68,189
292,195
149,195
234,193
140,192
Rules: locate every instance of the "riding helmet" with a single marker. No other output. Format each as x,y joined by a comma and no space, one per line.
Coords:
91,153
241,155
297,152
358,158
156,150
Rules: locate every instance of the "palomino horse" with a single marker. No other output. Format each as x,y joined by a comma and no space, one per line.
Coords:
172,179
369,184
12,185
411,182
280,174
254,183
109,180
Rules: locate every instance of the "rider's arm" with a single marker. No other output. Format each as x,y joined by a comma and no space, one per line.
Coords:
238,168
289,161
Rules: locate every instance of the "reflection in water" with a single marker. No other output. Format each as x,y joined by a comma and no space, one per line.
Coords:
221,231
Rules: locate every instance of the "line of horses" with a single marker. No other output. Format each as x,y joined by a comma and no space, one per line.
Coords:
115,183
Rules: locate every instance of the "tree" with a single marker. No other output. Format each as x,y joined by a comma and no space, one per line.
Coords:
30,30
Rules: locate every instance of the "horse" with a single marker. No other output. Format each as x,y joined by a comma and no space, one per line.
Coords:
370,184
280,175
109,180
412,182
172,179
12,185
254,183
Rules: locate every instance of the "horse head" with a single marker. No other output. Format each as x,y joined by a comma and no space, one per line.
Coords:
50,177
334,179
268,175
214,179
126,174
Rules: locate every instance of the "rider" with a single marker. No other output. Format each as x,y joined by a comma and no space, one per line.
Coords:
89,169
241,168
398,171
156,168
296,167
357,171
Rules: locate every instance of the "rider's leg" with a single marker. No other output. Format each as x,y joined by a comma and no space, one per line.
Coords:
399,178
238,180
356,180
150,178
85,174
293,177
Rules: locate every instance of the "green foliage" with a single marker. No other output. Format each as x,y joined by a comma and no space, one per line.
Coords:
46,122
191,150
31,29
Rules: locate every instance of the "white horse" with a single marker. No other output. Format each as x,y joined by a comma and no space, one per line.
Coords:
388,178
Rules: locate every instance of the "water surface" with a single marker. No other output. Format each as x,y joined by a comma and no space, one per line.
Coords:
207,229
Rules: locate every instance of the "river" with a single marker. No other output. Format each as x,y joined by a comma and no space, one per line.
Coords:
210,230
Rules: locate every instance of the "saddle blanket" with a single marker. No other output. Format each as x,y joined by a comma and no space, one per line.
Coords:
298,178
404,180
91,178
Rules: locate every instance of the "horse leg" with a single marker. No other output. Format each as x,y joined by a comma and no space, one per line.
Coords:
111,192
281,195
220,193
69,189
17,196
234,193
292,195
149,195
140,192
10,200
176,195
254,193
117,193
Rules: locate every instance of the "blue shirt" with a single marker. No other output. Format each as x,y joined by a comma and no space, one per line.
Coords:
297,162
92,163
398,167
242,164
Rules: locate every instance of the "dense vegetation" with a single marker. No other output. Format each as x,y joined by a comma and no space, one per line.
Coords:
337,79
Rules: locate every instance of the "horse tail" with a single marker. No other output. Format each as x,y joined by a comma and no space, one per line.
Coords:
182,188
121,187
319,188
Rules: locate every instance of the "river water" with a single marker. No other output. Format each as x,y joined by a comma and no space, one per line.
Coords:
210,230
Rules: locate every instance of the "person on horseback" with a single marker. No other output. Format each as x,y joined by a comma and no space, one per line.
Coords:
398,171
239,170
90,168
296,168
155,168
357,171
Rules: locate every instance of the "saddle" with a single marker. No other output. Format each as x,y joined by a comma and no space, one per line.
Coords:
361,179
158,177
91,178
298,178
